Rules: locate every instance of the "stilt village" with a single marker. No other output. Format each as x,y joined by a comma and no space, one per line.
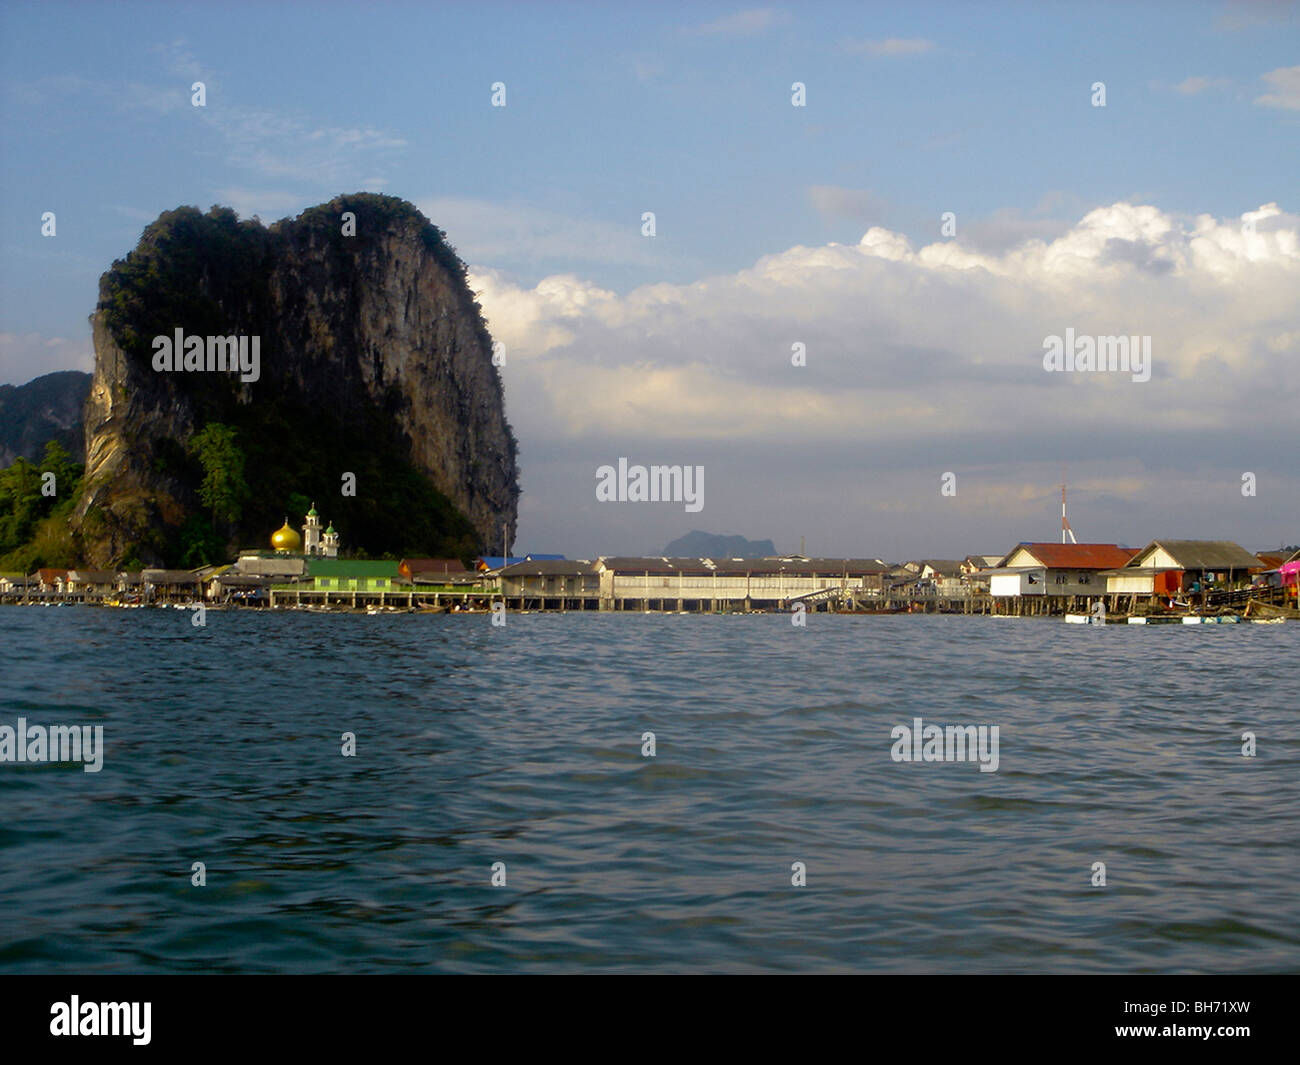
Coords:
1180,581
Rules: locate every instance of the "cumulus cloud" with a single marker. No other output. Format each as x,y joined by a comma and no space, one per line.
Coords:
919,360
1284,84
1008,227
882,305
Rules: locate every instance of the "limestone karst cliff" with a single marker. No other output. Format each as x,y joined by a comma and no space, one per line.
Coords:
373,360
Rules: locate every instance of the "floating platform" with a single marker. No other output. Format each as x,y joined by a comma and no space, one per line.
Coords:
1185,619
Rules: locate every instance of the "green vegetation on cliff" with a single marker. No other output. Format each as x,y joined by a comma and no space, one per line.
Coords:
34,509
235,467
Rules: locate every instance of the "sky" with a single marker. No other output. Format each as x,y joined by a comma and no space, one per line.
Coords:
951,194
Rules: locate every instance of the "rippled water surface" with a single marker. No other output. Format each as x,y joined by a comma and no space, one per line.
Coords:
522,745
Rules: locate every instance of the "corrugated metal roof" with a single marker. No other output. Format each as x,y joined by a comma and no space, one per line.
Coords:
169,576
550,567
468,576
1074,556
822,567
345,567
92,576
431,565
1206,554
689,567
695,567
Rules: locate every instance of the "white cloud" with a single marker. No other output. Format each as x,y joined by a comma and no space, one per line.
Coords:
742,23
890,46
1285,85
901,340
1194,85
272,144
287,147
1008,227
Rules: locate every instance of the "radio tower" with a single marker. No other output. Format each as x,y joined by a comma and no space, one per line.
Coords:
1065,522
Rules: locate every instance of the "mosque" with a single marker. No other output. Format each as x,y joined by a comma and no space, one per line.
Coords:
290,552
314,542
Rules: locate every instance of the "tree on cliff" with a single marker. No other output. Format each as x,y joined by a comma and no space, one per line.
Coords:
33,510
224,489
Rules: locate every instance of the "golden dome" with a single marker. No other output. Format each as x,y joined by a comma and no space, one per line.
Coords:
286,539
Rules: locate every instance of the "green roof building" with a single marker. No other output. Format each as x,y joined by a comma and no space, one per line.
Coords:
351,575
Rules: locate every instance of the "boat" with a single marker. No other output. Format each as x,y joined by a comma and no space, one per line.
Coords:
1256,610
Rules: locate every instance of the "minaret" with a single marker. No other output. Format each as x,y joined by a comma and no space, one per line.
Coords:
330,548
311,533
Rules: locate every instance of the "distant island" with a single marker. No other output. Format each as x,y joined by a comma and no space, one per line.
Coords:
46,408
699,544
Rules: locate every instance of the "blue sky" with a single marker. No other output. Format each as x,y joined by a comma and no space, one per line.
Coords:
979,109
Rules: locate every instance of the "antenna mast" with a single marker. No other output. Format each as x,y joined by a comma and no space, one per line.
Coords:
1065,522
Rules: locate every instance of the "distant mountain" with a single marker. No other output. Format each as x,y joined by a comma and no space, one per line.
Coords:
44,409
713,545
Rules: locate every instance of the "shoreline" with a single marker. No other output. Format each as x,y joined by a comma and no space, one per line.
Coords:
1206,617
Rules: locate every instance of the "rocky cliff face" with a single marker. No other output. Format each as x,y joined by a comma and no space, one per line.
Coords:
373,361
